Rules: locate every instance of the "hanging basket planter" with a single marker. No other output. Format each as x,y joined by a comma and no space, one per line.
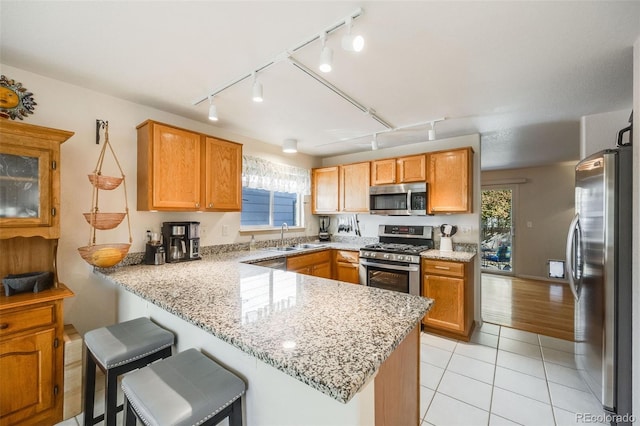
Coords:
104,221
103,182
110,254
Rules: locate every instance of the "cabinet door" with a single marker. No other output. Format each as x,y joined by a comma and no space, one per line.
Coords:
176,169
223,173
448,310
383,172
449,175
324,190
25,186
322,270
347,272
412,169
27,366
354,187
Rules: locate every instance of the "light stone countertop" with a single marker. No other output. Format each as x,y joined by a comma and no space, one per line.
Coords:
455,256
330,335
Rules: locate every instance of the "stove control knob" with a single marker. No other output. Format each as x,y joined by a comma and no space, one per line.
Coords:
400,257
386,256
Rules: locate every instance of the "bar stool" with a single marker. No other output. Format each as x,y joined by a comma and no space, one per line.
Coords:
118,349
185,389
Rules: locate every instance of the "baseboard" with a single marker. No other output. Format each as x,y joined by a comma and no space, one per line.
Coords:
547,279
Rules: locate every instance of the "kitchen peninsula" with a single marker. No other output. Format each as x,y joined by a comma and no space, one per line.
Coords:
312,350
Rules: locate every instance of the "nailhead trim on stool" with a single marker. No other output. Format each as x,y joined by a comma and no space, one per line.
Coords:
183,390
118,349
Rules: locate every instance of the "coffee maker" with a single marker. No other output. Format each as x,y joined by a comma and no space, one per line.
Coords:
324,235
154,252
181,241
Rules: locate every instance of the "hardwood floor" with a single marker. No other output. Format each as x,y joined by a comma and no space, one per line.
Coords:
536,306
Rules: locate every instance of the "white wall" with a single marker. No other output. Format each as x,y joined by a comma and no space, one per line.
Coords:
73,108
600,131
543,209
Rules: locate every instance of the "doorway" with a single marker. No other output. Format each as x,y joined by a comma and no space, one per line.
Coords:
497,230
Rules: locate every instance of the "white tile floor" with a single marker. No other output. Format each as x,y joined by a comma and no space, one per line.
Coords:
502,377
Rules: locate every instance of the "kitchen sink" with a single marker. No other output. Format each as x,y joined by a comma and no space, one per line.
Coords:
296,247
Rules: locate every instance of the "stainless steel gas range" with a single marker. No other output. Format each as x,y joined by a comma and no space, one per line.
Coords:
394,262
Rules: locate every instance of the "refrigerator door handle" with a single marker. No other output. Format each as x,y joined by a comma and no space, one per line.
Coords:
573,266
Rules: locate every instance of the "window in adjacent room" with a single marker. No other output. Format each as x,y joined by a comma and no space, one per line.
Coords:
272,193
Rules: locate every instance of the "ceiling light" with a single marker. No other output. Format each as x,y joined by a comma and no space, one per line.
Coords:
432,131
290,146
213,111
257,89
326,56
374,142
352,42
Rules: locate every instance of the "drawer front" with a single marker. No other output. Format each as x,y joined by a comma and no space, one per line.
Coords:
347,256
26,318
443,267
296,262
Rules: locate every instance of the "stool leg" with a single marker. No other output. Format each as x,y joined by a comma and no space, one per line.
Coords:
130,418
89,389
111,398
235,418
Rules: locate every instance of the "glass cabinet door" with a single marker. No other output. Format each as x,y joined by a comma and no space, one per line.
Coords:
24,186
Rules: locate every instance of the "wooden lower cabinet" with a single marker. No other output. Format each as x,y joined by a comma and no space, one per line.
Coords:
451,286
346,266
31,357
317,264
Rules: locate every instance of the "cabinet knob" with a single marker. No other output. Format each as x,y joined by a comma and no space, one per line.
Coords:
210,205
198,205
4,326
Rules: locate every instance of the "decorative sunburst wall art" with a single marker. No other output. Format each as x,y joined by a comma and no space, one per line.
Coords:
15,100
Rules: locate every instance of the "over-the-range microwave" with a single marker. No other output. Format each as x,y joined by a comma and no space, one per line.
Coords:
407,199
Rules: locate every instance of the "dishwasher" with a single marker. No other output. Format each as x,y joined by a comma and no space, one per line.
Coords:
277,263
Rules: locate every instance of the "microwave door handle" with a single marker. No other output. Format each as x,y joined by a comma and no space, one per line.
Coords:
409,201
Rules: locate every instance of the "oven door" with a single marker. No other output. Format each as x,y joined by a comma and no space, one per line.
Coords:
395,276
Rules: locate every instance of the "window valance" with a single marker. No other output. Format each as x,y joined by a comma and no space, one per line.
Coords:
262,174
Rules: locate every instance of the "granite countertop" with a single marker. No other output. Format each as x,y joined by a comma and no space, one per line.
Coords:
456,256
331,335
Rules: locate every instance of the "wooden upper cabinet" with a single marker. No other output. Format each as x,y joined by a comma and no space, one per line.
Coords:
354,187
30,180
223,175
449,175
411,169
324,190
383,172
180,170
398,170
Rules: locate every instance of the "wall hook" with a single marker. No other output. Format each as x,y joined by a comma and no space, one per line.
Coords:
100,124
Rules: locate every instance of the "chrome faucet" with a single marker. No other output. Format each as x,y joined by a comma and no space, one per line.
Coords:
283,228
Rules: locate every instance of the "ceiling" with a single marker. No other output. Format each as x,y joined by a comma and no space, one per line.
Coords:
519,73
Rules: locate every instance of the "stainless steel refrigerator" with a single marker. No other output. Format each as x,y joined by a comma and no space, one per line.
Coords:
599,272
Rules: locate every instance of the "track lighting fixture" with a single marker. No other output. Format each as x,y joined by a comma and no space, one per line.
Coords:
256,92
352,42
374,142
290,146
213,111
432,131
326,55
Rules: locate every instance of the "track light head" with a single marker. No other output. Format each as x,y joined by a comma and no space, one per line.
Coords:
374,142
352,42
431,134
290,146
213,111
326,56
256,92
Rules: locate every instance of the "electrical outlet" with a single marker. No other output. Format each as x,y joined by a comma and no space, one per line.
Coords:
225,230
529,224
465,229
